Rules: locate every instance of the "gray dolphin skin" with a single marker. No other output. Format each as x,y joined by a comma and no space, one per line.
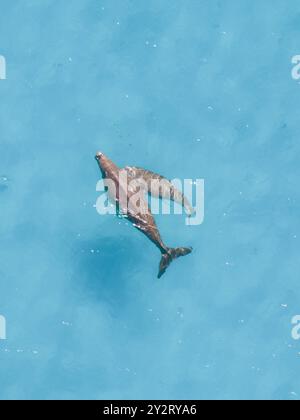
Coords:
144,220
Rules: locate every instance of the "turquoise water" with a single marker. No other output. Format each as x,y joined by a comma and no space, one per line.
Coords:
190,89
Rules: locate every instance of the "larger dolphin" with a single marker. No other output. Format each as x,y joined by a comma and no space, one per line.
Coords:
144,220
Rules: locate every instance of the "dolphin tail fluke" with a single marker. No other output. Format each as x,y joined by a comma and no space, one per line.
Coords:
170,256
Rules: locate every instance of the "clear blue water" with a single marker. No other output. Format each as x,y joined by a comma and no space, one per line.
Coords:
143,81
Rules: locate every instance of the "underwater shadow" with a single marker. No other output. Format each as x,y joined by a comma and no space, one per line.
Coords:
106,266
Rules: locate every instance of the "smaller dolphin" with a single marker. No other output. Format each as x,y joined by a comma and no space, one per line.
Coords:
144,220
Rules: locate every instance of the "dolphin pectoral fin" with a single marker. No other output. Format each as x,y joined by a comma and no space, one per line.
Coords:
144,175
134,172
170,256
160,187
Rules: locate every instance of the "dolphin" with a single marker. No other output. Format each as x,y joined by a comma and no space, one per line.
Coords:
144,220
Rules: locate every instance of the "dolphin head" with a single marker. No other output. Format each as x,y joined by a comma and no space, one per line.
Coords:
99,156
101,159
107,167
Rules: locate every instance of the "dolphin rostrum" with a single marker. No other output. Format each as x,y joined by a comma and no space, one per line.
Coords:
140,215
